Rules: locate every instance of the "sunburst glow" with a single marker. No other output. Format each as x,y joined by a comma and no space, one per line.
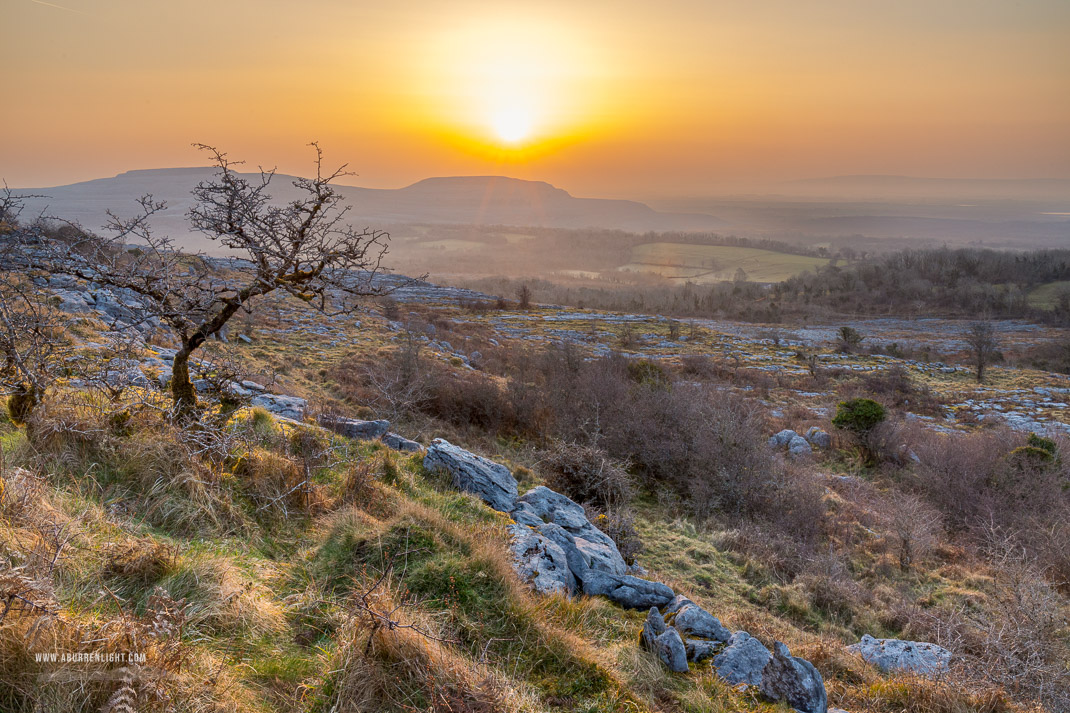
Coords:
512,124
518,86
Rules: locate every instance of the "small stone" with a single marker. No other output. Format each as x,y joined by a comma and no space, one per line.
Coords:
400,443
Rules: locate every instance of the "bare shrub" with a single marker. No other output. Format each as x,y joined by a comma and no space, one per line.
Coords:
893,387
974,480
915,526
619,525
587,475
397,385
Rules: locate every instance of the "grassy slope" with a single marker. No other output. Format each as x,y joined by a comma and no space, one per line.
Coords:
274,618
275,601
1046,296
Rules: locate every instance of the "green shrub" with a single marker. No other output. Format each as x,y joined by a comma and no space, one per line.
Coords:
649,373
1044,444
859,416
1030,457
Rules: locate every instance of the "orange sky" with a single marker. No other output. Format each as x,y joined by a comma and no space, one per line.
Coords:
631,98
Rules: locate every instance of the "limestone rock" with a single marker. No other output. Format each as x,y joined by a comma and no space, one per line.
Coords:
526,515
597,549
653,627
670,649
783,438
628,591
400,443
694,622
355,428
819,438
798,446
916,657
577,564
286,406
540,561
743,660
474,474
788,678
700,649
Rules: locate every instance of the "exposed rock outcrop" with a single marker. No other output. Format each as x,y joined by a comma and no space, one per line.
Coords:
917,657
355,428
664,641
596,549
818,438
782,439
743,660
788,678
670,649
473,474
627,591
291,407
653,627
540,561
400,443
694,622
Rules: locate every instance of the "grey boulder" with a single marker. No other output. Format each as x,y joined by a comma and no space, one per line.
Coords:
355,428
783,438
291,407
540,561
743,660
598,551
788,678
694,622
653,627
473,474
701,649
400,443
819,438
627,591
917,657
670,649
577,564
798,446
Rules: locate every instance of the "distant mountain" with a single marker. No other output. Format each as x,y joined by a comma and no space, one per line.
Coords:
901,186
465,200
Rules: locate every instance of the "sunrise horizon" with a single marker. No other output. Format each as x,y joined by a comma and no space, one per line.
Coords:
676,101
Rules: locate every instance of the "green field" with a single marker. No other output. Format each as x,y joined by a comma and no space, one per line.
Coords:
717,263
1047,295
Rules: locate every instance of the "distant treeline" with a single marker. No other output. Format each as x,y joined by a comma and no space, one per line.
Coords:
965,282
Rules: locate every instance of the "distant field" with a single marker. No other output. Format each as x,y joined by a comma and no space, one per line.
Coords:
717,263
451,245
1046,296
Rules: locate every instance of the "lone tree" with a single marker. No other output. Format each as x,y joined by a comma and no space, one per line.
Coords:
984,346
302,247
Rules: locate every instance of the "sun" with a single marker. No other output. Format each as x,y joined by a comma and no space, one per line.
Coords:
512,124
510,86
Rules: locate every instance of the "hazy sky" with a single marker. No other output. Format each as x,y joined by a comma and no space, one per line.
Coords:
629,97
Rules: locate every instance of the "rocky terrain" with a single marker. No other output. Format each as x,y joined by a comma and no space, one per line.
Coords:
653,608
